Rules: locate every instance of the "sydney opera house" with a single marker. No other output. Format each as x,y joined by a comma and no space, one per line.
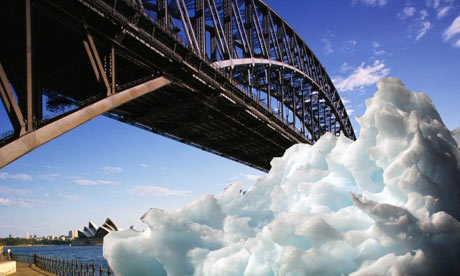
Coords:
92,235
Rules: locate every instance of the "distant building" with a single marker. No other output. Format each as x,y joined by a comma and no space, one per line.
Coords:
73,234
27,235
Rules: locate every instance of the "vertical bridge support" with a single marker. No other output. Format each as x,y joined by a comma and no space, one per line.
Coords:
96,62
10,103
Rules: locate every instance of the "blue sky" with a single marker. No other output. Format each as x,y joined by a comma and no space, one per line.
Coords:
108,169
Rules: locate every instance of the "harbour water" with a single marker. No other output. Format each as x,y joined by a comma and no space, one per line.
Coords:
86,254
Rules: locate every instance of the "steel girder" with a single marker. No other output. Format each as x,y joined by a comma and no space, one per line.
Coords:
249,40
244,85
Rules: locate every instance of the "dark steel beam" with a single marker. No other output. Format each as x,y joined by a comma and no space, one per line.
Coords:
29,79
40,136
95,61
162,13
11,105
199,26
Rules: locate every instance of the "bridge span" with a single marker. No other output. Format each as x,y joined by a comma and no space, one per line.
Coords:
228,76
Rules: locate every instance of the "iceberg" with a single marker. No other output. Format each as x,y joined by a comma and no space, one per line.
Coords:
456,135
385,204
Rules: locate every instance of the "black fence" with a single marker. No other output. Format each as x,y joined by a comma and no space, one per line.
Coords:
63,267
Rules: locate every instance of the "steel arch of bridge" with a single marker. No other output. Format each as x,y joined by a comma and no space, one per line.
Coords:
260,50
227,76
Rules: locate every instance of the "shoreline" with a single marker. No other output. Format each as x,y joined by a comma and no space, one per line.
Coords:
41,245
30,245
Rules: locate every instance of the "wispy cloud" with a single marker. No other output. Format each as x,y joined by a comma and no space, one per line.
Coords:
14,202
90,182
441,7
345,67
70,196
406,13
349,46
350,111
143,165
7,191
421,25
424,27
372,3
418,25
443,12
157,191
457,44
18,176
52,167
378,51
362,76
111,170
327,48
348,105
49,176
5,201
453,30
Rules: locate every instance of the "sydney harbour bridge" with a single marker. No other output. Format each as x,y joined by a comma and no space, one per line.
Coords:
228,76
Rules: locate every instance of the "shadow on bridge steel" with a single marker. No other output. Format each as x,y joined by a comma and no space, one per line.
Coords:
228,76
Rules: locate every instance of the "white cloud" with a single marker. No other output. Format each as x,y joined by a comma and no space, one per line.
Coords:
345,67
442,7
453,29
350,111
10,202
49,176
5,201
90,182
443,12
377,49
362,76
143,165
352,42
8,190
418,25
457,44
327,49
327,41
380,3
436,3
157,191
423,14
349,46
18,176
70,196
52,167
406,13
425,26
111,170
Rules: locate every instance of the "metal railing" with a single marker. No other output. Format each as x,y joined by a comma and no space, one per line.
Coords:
63,267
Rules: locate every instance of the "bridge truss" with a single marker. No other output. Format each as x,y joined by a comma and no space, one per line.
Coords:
227,76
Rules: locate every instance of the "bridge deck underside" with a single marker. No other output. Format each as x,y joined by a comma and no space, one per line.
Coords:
201,117
203,106
211,123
